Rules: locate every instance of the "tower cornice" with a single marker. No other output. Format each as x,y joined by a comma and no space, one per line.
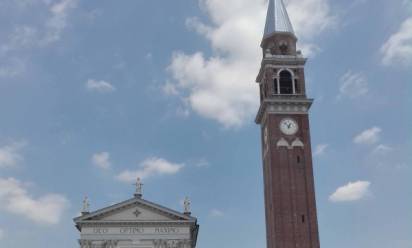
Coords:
283,106
269,38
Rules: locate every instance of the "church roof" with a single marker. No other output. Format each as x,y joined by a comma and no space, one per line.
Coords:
134,202
277,19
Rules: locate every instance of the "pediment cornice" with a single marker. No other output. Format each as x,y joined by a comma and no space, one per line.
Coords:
99,215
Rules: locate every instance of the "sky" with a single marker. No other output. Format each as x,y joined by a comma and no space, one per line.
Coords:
95,93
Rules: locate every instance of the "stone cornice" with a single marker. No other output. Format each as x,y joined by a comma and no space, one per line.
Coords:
283,106
134,223
134,202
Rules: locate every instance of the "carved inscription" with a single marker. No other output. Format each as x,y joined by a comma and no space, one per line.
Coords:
100,230
167,230
131,230
164,230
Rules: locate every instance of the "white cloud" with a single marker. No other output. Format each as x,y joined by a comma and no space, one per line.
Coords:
48,31
215,91
216,213
22,37
99,86
101,160
12,68
202,163
149,56
353,191
150,167
402,166
170,89
382,149
310,17
221,87
56,24
353,85
10,155
48,20
14,198
320,149
368,137
398,48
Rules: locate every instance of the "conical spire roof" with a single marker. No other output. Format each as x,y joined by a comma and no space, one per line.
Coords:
277,19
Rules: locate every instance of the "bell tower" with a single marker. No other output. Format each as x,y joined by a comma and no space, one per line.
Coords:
290,204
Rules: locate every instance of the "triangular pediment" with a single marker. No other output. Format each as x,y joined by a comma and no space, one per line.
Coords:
135,209
135,212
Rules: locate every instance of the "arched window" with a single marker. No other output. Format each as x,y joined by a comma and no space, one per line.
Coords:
285,83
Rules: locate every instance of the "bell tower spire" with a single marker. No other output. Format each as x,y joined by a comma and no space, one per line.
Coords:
277,19
290,204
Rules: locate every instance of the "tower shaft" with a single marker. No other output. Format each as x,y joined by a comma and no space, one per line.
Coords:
290,204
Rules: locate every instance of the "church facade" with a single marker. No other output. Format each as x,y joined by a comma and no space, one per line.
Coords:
137,223
291,216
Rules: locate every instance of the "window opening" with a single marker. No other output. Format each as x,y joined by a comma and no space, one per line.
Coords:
284,49
286,83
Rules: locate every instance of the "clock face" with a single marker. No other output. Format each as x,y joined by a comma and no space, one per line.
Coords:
289,126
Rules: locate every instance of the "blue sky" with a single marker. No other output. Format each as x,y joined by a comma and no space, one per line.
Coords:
94,93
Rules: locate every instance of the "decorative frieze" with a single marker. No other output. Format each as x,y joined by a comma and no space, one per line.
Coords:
98,243
111,244
283,143
283,106
297,143
161,243
85,243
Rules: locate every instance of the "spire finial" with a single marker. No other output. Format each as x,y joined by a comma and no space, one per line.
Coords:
139,188
277,19
86,205
187,205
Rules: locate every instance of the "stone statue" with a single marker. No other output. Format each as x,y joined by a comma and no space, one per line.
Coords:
86,205
139,186
187,205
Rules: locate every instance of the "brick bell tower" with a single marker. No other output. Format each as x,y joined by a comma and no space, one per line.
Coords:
291,218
